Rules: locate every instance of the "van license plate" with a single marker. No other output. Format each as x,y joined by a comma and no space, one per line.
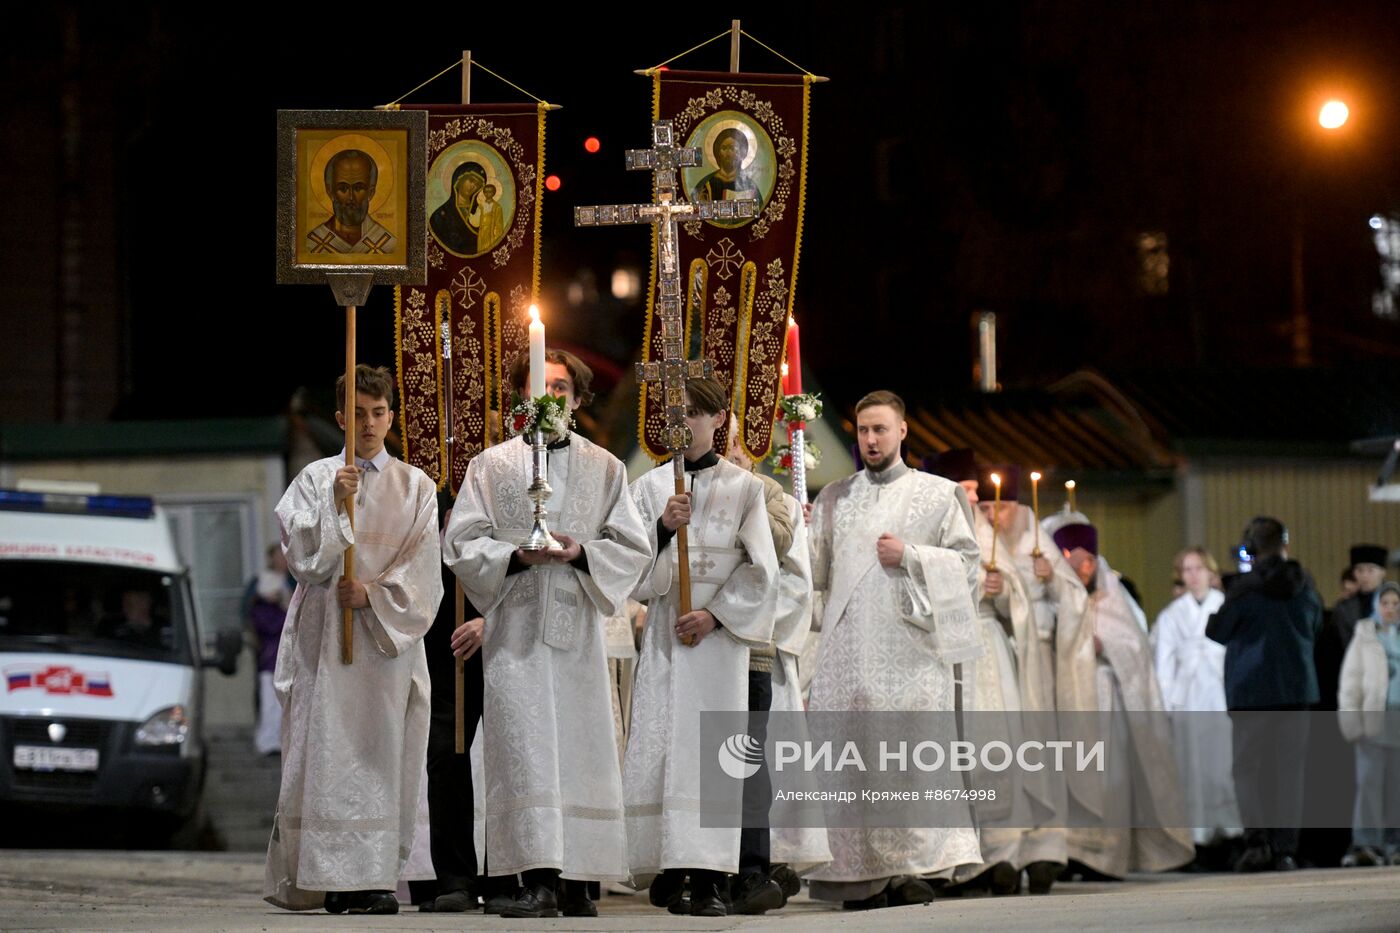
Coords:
41,758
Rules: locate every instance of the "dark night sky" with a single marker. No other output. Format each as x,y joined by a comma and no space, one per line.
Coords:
1020,149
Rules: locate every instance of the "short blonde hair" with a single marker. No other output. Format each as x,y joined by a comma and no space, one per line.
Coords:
1206,558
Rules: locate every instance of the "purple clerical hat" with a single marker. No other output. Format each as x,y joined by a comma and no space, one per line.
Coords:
957,465
1070,537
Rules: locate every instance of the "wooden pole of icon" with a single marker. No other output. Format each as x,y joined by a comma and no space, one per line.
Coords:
734,32
459,677
347,615
351,290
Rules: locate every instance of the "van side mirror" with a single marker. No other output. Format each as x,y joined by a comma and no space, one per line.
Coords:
228,645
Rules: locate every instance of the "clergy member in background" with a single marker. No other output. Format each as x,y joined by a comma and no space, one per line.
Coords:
773,686
895,561
354,736
694,661
1191,673
1013,676
1127,817
553,786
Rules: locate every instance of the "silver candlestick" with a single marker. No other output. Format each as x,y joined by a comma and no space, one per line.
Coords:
797,443
539,492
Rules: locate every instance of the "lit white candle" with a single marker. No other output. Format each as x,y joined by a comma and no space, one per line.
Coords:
536,353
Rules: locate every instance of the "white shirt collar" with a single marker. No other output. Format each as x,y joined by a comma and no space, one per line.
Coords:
380,461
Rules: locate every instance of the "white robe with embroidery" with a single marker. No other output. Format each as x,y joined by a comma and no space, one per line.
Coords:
734,574
1191,673
553,788
1139,748
1013,677
354,737
801,848
890,640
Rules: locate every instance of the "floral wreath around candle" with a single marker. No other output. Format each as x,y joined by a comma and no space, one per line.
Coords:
804,407
781,460
552,415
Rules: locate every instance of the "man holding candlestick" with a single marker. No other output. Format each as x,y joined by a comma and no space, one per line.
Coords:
895,560
554,808
694,661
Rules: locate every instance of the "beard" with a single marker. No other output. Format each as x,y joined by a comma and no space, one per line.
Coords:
352,214
878,466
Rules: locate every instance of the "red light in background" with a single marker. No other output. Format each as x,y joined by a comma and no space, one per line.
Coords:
552,182
592,144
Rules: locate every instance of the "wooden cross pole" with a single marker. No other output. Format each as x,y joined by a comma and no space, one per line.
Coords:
673,370
351,290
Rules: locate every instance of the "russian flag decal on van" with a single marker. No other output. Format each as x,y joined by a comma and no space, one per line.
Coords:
59,680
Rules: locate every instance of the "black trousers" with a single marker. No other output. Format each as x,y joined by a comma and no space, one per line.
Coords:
450,808
1269,759
754,852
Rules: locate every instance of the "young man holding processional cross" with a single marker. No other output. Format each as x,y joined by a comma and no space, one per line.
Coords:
553,792
697,660
354,736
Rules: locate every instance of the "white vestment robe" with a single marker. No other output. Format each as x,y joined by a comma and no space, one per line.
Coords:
801,848
1191,674
890,639
1012,677
1140,759
354,737
553,787
734,574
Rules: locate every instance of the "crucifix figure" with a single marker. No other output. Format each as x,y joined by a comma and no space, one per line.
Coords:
664,159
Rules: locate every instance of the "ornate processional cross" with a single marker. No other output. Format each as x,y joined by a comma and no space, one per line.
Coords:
673,370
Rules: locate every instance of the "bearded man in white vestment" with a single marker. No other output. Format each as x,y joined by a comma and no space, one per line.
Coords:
1191,674
1014,675
733,598
354,736
553,785
1104,664
894,569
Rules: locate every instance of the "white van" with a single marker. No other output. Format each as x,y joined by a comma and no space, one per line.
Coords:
100,660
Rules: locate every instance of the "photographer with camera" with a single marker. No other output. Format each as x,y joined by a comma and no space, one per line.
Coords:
1268,625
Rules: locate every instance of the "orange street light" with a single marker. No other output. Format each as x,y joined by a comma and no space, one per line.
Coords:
1333,114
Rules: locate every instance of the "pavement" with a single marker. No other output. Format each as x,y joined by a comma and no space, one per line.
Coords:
195,892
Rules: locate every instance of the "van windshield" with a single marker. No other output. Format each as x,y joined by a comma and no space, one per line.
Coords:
94,609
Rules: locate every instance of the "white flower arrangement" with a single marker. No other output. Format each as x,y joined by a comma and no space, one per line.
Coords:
804,407
781,460
552,415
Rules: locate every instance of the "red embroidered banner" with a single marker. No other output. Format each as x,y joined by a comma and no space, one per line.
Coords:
740,275
485,173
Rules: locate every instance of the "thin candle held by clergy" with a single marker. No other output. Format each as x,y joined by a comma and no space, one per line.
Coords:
1035,510
996,518
536,353
1069,490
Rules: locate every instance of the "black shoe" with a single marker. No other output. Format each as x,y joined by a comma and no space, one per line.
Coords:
874,902
756,893
361,902
667,889
1285,863
913,891
573,899
454,902
1255,858
497,903
787,879
532,903
1041,876
705,900
1003,879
